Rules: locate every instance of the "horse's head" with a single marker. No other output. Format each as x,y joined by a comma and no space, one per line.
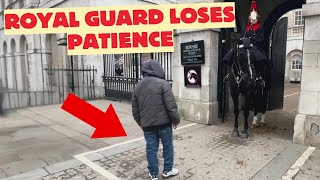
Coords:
244,59
243,62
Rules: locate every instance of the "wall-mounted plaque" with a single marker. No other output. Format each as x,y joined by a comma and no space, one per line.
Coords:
192,52
192,76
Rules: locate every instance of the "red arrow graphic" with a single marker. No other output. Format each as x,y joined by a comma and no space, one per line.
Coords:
107,123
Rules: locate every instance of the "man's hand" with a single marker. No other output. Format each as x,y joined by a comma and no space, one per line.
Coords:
174,126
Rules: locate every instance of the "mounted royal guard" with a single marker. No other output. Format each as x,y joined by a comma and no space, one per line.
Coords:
249,72
254,31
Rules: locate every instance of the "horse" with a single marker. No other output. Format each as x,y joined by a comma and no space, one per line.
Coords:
243,78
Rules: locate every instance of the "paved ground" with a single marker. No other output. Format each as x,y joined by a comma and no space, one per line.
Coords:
40,136
311,169
34,140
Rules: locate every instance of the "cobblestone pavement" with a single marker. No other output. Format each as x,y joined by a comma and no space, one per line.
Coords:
311,169
204,155
81,172
201,152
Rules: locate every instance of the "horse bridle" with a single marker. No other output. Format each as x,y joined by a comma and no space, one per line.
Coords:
237,65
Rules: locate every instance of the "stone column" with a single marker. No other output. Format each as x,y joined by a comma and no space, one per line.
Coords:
37,57
307,122
33,75
197,104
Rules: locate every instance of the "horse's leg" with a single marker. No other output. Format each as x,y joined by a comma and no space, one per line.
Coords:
263,123
235,96
245,133
255,118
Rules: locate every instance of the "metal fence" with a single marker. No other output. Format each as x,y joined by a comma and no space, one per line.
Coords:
61,81
123,71
13,99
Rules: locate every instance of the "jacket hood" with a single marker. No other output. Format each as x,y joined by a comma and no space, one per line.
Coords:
152,68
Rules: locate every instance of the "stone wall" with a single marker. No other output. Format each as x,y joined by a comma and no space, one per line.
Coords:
307,122
197,104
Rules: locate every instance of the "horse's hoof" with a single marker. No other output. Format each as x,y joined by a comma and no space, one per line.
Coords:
262,124
254,125
235,134
244,135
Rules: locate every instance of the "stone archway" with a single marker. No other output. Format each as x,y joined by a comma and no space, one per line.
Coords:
270,13
307,122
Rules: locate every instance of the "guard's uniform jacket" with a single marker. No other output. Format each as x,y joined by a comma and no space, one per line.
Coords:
258,41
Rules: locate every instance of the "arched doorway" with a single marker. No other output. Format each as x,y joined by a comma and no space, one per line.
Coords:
275,29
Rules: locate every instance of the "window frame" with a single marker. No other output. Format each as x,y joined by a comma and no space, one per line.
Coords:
298,19
296,63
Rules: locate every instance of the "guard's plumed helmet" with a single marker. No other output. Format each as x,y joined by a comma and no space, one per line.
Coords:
253,22
254,11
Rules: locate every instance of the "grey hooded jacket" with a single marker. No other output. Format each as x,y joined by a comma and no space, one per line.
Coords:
153,102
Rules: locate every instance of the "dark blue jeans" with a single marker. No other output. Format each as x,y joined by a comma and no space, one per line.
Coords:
152,138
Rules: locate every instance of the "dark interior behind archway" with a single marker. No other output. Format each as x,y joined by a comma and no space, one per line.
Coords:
270,11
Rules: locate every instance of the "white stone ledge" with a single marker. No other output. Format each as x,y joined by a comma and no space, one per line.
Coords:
311,9
196,101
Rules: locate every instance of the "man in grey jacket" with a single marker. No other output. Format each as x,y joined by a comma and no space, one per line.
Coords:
154,108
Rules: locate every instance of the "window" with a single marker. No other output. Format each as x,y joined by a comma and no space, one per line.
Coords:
296,63
297,30
298,19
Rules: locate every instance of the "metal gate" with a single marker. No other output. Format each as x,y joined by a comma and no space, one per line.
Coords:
61,81
279,42
123,71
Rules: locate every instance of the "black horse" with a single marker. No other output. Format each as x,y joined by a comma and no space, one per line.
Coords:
244,74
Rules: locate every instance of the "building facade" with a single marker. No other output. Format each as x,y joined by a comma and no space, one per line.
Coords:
294,46
34,66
